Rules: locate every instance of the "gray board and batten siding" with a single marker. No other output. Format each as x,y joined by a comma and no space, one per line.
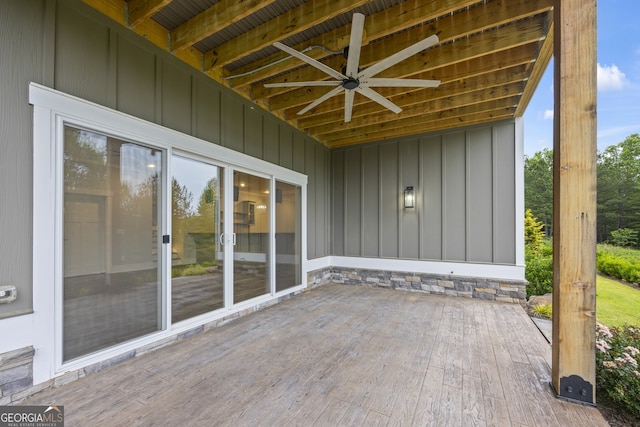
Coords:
70,47
464,179
464,182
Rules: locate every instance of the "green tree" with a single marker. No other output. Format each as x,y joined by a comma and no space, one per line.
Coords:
619,187
538,187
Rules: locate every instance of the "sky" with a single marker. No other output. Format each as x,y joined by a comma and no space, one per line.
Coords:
618,82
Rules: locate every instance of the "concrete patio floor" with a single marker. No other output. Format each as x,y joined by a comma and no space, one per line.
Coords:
338,355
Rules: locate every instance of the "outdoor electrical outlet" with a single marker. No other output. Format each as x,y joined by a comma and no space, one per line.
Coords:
8,294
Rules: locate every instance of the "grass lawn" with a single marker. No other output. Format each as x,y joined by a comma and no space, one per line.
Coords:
616,304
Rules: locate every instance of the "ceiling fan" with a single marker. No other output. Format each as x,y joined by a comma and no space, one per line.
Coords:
353,80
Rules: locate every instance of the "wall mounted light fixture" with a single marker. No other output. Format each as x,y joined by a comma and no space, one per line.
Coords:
409,197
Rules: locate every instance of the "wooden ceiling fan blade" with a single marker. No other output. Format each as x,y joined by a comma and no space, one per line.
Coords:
299,84
383,82
375,96
399,56
355,44
320,100
348,104
317,64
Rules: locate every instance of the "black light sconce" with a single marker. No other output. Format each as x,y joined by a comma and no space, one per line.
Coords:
409,198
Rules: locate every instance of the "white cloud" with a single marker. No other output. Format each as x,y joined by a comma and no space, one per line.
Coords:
548,114
611,78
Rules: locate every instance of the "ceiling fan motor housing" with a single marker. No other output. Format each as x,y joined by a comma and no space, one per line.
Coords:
350,83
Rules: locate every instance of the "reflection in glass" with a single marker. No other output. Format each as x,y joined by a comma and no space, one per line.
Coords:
288,226
112,286
251,228
196,253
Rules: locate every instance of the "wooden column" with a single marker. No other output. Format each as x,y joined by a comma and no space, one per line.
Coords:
574,200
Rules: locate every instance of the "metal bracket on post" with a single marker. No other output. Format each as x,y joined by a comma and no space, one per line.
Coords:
574,389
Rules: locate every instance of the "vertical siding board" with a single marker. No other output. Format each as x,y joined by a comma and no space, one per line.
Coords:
370,200
353,202
77,40
207,111
136,71
298,152
21,61
454,205
337,197
232,109
286,147
390,200
480,196
504,235
253,132
322,204
410,218
176,98
271,130
312,199
431,197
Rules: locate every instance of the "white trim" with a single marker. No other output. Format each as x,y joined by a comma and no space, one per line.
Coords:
11,339
519,190
317,264
444,268
42,329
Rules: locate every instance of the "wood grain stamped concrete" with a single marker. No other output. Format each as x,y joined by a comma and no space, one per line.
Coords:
338,355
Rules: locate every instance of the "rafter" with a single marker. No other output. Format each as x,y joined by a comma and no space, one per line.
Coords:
140,10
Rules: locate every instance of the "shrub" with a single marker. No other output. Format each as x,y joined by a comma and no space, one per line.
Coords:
619,263
543,310
539,271
625,237
617,366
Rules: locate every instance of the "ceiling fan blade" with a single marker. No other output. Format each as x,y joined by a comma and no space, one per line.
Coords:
320,100
382,82
399,56
355,45
348,104
317,64
375,96
298,84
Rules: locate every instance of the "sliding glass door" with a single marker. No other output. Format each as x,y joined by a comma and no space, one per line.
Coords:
251,231
112,288
197,255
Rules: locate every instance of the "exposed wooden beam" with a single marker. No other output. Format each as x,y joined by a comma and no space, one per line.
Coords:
539,68
463,77
449,28
490,84
140,10
292,22
402,122
435,125
216,18
381,24
574,201
485,43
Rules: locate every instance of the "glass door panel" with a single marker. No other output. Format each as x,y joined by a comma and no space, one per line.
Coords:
251,227
197,256
288,236
112,289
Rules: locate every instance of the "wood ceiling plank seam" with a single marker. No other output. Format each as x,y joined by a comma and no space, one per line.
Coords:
501,39
219,16
381,24
492,104
455,27
295,21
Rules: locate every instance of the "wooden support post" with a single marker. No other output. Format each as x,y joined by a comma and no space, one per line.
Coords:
574,201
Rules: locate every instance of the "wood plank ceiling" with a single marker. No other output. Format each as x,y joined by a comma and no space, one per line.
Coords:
490,57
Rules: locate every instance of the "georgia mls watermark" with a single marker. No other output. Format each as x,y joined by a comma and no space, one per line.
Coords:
32,416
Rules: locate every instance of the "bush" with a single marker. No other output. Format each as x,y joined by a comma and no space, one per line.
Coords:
625,237
621,264
617,366
539,271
